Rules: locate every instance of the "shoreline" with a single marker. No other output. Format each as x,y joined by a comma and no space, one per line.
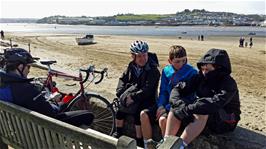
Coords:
175,31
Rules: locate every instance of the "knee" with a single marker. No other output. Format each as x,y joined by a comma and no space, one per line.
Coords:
162,120
201,117
144,116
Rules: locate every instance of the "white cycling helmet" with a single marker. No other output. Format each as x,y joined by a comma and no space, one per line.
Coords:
139,47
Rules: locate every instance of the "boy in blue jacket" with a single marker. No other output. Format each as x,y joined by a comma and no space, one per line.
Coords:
177,70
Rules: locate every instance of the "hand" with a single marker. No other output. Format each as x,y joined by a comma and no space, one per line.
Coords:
55,97
176,103
181,85
129,101
161,110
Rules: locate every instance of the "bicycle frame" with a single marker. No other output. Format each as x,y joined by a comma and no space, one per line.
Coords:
54,73
102,109
51,73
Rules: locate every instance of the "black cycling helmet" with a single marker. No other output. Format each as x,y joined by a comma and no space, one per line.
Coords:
139,47
18,56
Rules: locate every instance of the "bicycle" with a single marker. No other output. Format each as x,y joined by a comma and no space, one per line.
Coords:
103,110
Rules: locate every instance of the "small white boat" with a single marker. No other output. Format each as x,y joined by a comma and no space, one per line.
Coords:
252,33
88,39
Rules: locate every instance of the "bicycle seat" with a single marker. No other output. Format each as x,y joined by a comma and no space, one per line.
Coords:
47,62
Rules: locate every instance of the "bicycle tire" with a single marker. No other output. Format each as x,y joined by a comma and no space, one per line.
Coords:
104,115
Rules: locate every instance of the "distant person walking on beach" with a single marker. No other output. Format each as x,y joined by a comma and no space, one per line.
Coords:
241,41
250,42
202,38
2,35
217,106
198,37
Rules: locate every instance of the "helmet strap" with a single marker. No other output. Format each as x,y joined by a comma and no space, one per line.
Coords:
21,71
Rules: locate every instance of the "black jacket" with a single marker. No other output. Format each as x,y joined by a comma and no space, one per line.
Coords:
147,82
23,94
216,90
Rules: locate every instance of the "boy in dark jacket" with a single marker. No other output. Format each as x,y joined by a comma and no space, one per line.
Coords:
137,86
16,88
217,105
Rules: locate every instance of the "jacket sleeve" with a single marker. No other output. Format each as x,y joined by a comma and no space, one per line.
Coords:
163,94
183,89
123,80
25,97
209,105
150,87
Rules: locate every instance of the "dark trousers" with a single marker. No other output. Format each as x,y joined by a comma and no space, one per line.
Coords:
76,118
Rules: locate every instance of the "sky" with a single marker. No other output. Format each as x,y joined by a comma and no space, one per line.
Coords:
45,8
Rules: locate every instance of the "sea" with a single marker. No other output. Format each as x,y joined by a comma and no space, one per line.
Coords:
135,30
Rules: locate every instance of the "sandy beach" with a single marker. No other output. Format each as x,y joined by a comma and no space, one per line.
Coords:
248,64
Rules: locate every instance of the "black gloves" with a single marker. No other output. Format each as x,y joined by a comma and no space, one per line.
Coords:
180,112
175,99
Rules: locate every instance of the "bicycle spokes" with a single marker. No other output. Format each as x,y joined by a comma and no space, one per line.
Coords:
104,118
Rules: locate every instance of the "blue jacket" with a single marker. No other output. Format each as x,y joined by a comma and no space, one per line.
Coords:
19,90
169,79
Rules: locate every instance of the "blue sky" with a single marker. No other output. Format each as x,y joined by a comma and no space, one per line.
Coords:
43,8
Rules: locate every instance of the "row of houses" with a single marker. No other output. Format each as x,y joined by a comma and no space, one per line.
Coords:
205,18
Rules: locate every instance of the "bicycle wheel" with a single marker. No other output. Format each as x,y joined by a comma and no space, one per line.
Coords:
104,115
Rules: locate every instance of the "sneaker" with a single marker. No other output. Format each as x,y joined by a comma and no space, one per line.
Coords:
151,144
116,135
159,143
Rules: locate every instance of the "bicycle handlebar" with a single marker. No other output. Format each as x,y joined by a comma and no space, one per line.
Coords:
91,69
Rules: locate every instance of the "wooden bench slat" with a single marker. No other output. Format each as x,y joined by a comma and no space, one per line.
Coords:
2,125
15,128
37,136
42,137
26,133
21,133
31,134
48,138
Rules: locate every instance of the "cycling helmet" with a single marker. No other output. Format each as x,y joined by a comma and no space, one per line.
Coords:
18,56
139,47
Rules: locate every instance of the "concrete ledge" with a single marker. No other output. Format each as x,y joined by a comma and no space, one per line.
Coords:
125,142
241,138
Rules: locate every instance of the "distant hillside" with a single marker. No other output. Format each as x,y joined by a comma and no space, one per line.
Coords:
17,20
144,17
186,17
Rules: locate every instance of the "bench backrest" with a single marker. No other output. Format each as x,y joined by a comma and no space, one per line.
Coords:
23,128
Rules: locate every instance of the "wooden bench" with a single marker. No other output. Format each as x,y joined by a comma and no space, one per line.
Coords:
25,129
